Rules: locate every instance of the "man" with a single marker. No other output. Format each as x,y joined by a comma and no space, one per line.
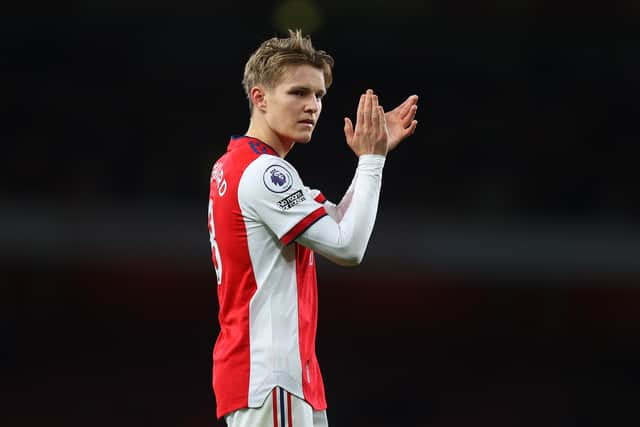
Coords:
265,225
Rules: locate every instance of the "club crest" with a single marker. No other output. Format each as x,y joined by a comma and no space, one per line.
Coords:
277,179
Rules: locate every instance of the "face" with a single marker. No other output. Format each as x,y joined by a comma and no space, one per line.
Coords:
293,106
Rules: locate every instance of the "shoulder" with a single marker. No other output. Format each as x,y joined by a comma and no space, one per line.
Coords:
272,174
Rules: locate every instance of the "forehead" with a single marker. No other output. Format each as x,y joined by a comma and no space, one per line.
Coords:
303,75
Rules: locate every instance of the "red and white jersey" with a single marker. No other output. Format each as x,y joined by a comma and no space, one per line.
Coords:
267,290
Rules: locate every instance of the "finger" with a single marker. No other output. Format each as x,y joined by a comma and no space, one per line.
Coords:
408,118
360,113
411,129
382,122
408,105
367,108
413,99
375,117
348,130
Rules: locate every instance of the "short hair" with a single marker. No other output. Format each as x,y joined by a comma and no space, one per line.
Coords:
269,62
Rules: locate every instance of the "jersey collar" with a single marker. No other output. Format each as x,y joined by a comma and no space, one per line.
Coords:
255,144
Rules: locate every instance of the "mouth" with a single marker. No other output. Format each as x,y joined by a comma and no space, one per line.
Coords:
307,122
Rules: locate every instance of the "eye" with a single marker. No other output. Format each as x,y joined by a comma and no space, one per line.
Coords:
298,92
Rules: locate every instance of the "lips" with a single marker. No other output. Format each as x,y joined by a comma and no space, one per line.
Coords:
307,122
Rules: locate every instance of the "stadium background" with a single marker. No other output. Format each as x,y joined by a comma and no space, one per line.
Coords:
501,283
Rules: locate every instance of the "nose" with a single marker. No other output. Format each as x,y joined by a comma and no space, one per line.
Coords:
313,105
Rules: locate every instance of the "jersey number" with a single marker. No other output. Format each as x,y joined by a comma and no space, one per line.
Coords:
217,261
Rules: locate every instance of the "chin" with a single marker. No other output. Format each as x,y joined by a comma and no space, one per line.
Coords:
304,138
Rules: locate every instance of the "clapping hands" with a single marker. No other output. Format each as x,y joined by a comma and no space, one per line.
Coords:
377,132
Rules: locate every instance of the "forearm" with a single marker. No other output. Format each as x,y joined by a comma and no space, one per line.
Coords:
337,211
343,237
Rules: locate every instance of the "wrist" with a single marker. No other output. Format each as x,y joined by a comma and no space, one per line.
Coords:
371,159
382,153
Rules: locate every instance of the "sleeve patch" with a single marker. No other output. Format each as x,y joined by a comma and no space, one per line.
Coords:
291,200
277,179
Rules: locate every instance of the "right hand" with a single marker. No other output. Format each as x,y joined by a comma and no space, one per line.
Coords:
370,134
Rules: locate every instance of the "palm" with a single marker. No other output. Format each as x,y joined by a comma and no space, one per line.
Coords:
400,122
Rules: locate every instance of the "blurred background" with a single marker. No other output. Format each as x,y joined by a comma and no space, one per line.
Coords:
501,284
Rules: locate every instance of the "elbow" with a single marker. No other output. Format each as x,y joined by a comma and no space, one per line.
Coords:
352,253
345,252
352,262
352,258
344,260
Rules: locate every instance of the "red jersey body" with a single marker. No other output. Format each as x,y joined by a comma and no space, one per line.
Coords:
267,290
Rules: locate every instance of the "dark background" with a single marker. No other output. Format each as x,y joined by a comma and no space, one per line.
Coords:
500,286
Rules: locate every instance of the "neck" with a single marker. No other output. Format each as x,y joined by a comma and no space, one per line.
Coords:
269,137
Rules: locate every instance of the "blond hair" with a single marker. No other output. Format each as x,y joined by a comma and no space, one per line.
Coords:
270,61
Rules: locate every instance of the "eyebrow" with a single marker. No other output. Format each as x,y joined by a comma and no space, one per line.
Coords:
308,89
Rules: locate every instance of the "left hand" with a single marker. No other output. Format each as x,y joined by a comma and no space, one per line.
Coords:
400,121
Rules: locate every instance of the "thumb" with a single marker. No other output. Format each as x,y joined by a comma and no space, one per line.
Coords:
348,129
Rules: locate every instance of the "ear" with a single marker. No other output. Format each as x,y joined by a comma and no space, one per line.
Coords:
258,98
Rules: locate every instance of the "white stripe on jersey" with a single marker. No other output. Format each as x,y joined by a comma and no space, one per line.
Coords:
273,314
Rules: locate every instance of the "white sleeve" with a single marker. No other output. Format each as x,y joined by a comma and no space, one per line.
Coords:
271,192
337,211
344,241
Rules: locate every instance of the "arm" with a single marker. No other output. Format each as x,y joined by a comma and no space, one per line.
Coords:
337,211
343,239
343,236
400,123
